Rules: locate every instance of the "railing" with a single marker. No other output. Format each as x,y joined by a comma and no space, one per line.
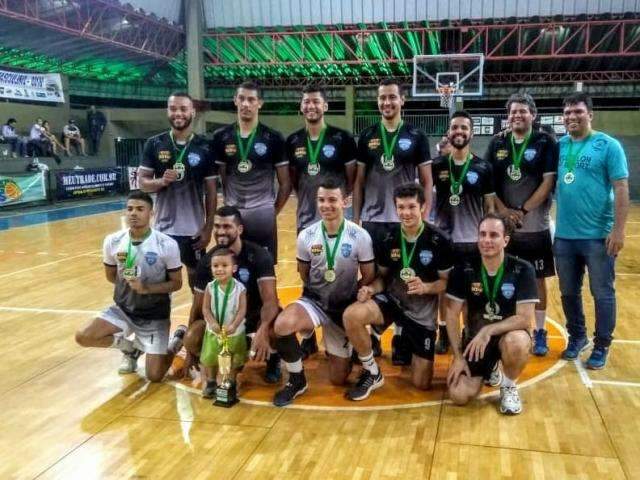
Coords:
432,124
128,151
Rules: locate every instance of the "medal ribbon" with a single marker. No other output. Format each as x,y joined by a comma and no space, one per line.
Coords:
216,303
180,153
243,147
455,183
573,158
313,153
406,260
517,153
331,253
130,260
491,294
388,148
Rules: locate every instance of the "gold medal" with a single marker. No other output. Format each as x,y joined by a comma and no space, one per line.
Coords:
313,169
515,173
454,200
330,276
180,169
244,166
407,274
569,177
130,273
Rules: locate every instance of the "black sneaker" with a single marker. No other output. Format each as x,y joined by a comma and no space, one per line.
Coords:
367,382
296,385
273,373
375,346
309,346
209,390
442,344
400,354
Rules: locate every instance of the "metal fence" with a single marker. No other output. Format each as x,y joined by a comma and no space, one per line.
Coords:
128,151
433,125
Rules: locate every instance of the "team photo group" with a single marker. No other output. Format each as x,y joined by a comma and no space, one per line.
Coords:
450,252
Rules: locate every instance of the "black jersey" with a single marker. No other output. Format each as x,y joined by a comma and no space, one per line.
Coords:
252,185
518,286
539,159
179,207
381,178
432,257
461,221
254,265
337,151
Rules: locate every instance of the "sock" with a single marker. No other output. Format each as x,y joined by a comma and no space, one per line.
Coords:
442,324
272,351
507,382
290,351
397,329
294,367
369,364
541,316
122,344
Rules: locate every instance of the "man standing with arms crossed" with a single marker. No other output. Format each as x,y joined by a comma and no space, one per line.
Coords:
525,164
249,155
178,165
592,205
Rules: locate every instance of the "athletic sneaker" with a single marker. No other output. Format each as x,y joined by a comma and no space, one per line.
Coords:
209,390
309,346
495,379
375,346
540,348
129,363
575,346
367,382
400,354
442,345
177,339
510,403
296,385
598,358
273,373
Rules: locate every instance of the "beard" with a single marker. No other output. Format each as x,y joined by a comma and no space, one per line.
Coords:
457,145
225,240
187,122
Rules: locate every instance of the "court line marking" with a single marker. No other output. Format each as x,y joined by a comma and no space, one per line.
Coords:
616,383
49,263
628,342
627,274
584,376
70,207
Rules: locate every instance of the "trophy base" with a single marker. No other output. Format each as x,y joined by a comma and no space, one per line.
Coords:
226,403
226,395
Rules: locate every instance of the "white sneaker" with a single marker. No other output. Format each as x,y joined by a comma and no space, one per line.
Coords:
510,403
177,339
495,380
129,363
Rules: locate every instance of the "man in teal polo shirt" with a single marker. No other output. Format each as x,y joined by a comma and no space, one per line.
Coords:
592,205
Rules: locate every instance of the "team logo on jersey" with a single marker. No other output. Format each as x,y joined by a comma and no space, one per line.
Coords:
151,258
395,254
316,249
530,154
345,249
230,149
502,154
164,156
300,152
244,274
476,288
260,148
373,144
508,289
404,144
443,175
329,151
472,177
193,159
425,257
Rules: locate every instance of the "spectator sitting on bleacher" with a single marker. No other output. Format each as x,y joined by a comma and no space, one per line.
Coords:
72,135
36,139
11,137
55,143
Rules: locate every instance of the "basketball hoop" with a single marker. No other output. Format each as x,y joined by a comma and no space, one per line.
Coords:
446,95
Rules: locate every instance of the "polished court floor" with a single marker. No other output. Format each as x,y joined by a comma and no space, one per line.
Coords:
65,412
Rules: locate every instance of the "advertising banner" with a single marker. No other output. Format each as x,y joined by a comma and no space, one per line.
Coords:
87,183
15,189
38,87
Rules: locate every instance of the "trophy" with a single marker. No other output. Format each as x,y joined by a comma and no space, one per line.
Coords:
226,395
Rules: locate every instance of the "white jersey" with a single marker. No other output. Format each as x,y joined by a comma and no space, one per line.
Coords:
154,257
233,304
354,248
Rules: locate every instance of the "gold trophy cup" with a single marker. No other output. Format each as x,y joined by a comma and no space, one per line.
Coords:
226,394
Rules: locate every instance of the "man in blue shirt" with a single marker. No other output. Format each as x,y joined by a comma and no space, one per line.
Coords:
592,205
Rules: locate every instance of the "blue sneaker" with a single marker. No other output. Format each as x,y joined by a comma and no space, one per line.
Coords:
598,358
575,346
540,348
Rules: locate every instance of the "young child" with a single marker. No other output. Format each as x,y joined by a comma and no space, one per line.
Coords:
224,306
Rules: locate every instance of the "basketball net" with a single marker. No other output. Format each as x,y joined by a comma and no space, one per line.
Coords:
446,95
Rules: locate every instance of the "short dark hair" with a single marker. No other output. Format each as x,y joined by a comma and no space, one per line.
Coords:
410,190
11,120
525,99
221,251
333,184
315,88
385,82
507,223
250,85
180,94
462,114
140,195
578,97
229,211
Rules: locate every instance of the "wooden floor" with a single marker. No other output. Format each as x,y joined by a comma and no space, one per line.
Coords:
65,412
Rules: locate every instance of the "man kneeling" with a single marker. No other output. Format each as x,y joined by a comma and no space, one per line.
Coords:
500,294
